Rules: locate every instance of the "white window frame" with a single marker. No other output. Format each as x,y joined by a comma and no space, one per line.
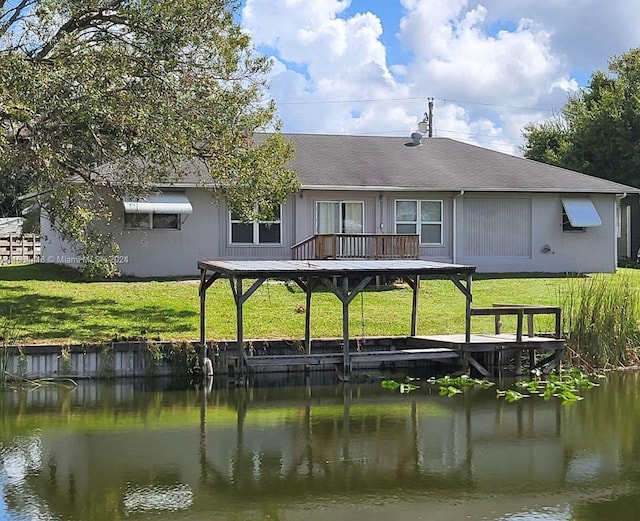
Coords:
256,230
340,204
419,222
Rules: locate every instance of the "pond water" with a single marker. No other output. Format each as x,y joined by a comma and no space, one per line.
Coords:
285,449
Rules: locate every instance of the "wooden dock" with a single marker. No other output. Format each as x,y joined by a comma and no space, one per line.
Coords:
346,279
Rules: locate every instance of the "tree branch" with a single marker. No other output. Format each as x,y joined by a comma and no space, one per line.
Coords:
16,14
85,20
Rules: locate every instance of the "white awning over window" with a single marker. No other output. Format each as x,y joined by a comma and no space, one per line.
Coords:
581,212
160,203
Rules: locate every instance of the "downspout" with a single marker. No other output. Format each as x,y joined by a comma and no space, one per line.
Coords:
454,252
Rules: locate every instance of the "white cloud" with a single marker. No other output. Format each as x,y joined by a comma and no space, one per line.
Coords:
492,65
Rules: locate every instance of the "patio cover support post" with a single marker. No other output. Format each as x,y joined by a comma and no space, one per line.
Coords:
466,290
308,287
345,297
307,319
204,285
467,318
240,298
345,329
414,284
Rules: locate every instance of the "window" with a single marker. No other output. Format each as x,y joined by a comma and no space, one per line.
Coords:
421,217
578,213
156,212
152,221
256,232
339,217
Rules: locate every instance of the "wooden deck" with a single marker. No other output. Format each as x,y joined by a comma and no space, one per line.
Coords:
544,353
346,279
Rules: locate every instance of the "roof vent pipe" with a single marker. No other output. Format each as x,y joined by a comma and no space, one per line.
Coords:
417,138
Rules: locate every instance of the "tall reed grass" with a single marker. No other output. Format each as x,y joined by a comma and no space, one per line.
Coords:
602,320
6,337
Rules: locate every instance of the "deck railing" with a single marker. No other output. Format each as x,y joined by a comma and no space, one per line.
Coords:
19,248
357,246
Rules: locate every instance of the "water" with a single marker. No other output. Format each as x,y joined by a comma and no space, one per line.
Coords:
141,450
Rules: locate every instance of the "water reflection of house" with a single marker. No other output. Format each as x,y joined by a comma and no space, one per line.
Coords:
239,450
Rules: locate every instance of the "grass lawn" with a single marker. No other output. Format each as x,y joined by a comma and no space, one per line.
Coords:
46,303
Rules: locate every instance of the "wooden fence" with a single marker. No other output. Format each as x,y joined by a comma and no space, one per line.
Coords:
16,249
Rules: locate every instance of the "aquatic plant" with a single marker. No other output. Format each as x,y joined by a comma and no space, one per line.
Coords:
510,395
449,385
565,385
405,387
601,320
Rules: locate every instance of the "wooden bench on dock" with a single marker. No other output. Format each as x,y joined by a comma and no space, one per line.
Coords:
520,311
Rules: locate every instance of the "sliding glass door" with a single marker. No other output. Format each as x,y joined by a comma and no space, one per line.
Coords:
340,217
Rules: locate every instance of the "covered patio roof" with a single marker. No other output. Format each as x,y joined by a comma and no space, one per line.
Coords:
345,278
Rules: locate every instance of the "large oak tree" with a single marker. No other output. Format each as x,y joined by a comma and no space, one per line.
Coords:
107,98
598,129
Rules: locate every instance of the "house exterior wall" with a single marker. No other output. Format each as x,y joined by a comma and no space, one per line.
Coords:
153,253
516,233
204,234
552,249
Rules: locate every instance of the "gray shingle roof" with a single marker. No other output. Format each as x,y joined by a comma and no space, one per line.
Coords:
438,164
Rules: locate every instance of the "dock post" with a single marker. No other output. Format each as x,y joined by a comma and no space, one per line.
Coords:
414,307
467,318
207,366
240,331
344,297
307,316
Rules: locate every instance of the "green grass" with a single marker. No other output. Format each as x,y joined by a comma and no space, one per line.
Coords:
53,304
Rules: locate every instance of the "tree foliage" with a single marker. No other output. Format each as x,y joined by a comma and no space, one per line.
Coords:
108,98
598,130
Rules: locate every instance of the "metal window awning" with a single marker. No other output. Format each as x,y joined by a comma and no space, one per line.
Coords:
160,203
581,212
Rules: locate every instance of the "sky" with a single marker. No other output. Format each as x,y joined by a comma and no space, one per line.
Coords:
368,67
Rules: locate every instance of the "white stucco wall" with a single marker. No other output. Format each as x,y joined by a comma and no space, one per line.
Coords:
593,250
153,253
205,235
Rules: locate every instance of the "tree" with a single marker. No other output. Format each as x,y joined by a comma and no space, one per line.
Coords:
598,130
107,98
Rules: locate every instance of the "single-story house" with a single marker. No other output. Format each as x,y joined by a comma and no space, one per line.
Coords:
467,204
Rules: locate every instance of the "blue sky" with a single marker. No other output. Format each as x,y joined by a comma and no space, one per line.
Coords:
368,66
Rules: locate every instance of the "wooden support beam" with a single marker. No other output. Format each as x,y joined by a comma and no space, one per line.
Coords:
414,307
310,285
478,366
252,289
203,320
205,283
346,363
359,288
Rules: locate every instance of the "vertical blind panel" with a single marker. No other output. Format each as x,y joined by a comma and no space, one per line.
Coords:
497,227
